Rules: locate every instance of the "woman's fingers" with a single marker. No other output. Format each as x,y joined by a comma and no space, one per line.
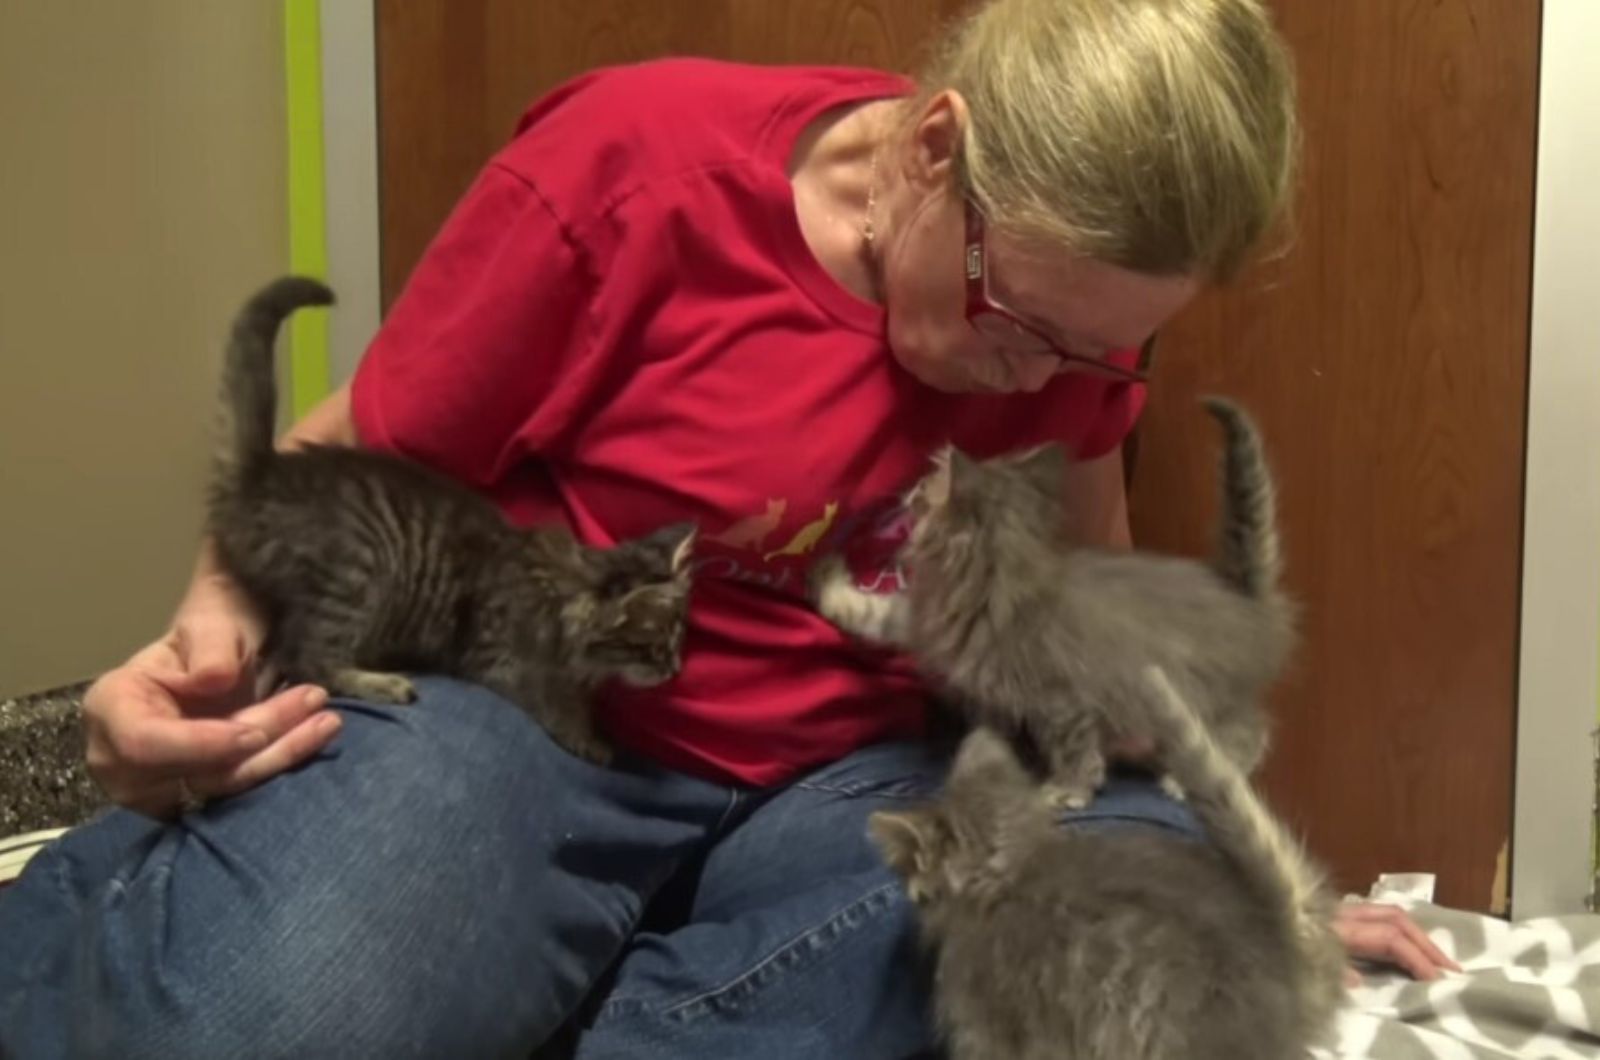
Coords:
298,745
1387,934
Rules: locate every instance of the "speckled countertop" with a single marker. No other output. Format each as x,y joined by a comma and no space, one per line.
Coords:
43,783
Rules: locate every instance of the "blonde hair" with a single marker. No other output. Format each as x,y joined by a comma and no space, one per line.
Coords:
1157,135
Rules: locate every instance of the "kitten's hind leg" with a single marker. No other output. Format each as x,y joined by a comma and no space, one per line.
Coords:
1072,751
322,644
371,686
565,714
573,728
879,617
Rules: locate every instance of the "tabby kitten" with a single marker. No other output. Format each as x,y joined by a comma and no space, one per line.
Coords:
1048,642
1134,943
366,565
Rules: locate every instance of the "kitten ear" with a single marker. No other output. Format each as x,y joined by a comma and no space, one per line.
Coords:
909,839
1046,466
676,541
964,471
988,754
685,547
934,488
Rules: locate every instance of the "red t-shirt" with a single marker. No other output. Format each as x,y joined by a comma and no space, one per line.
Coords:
621,326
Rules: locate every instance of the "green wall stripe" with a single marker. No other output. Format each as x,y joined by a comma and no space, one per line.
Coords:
308,240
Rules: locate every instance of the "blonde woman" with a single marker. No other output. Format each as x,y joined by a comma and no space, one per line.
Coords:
753,297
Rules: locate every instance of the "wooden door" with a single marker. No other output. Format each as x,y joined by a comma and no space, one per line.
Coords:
1386,357
453,75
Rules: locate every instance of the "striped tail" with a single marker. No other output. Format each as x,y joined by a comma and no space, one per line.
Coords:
1248,553
249,403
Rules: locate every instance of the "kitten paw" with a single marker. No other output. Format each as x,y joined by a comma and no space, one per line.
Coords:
391,688
1063,797
873,617
827,574
388,689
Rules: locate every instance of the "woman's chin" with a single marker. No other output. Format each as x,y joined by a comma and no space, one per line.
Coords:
950,375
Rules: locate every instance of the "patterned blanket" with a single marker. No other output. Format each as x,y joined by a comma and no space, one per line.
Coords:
1529,990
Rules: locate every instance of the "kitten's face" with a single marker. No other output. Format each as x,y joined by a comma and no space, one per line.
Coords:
945,847
632,625
962,501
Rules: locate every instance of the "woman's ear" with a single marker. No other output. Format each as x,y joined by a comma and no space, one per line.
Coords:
937,141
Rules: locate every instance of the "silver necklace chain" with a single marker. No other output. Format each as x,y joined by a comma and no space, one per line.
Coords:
869,231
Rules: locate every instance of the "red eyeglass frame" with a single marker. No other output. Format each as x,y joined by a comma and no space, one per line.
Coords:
990,318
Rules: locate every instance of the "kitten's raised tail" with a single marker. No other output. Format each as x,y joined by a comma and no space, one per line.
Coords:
1273,862
249,406
1248,553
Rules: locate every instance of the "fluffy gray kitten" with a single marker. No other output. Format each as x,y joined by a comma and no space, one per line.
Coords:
366,565
1048,641
1126,944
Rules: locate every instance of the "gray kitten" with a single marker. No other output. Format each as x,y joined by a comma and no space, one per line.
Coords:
1048,641
1126,944
365,565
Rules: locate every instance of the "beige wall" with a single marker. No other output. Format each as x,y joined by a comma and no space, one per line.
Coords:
142,195
1552,867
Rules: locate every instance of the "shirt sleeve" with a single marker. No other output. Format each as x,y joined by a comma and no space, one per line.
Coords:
484,356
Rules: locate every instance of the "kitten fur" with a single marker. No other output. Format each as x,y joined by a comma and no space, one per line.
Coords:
365,566
1273,863
1126,944
1049,641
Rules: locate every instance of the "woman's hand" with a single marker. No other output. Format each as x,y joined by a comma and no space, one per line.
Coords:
1386,934
182,721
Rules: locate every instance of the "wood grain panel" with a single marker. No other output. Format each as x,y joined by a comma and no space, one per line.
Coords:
1387,359
455,74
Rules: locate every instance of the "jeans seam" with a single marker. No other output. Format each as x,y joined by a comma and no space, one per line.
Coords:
60,872
58,875
1110,821
728,811
857,792
764,970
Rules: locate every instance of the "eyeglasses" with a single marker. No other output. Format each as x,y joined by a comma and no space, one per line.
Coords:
994,321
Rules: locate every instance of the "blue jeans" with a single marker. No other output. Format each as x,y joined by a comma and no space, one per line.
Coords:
444,881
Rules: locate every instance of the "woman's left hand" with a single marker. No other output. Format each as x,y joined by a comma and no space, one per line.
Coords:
1386,934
